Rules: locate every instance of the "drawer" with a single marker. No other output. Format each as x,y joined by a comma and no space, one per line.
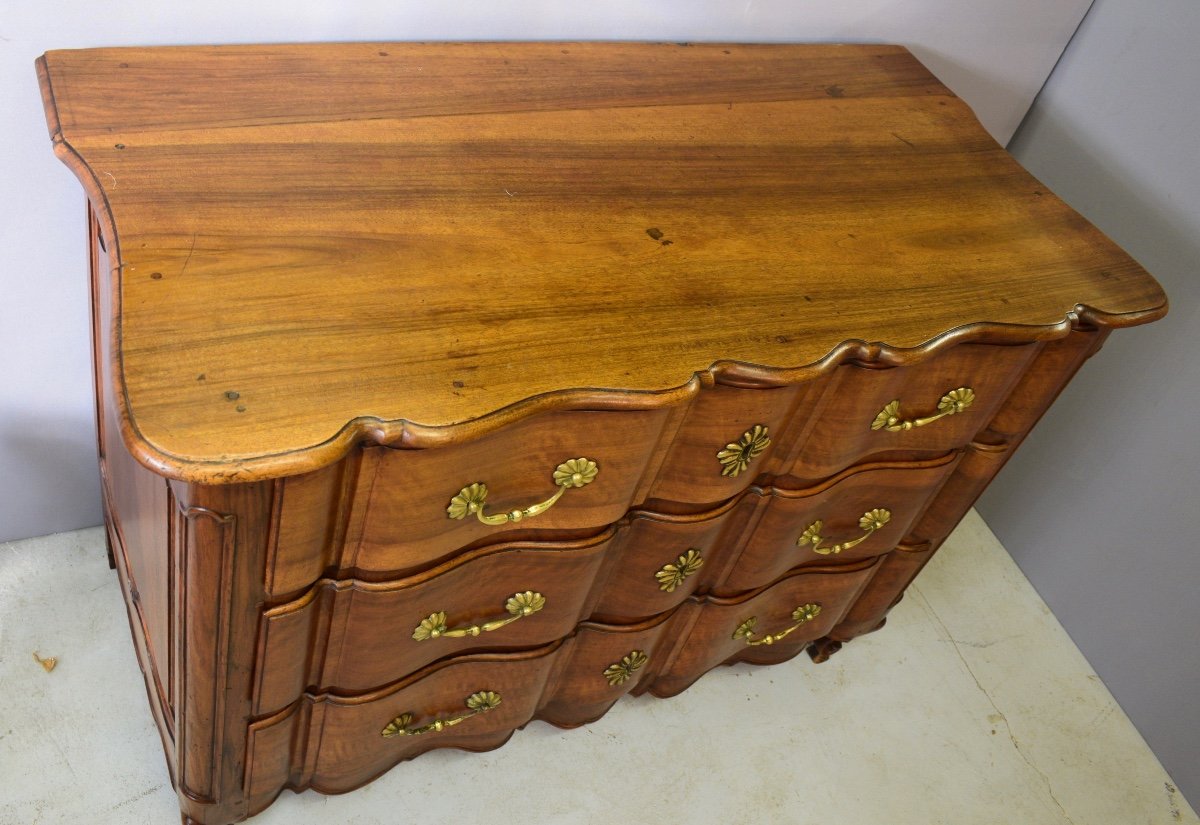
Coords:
728,437
334,742
660,559
904,412
478,701
862,512
354,636
768,626
602,663
401,511
423,504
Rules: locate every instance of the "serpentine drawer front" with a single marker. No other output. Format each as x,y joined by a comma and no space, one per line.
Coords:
441,387
514,594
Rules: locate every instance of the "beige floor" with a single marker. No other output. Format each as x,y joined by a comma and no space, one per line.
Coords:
971,706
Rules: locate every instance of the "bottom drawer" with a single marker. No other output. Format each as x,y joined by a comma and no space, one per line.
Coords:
473,702
335,743
766,627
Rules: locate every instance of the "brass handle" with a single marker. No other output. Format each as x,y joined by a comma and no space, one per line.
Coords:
951,403
578,472
519,605
871,521
802,615
477,703
619,672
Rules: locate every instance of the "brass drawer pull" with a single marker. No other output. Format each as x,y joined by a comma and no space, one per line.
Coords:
951,403
871,521
674,574
619,672
519,605
802,615
737,455
477,703
578,472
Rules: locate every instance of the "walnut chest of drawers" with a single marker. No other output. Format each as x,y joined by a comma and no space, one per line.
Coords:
444,387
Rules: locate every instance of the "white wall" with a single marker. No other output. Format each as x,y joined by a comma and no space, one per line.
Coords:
995,55
1100,506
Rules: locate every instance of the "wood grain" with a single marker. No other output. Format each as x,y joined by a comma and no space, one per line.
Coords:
410,243
768,542
353,636
356,636
985,456
562,682
334,284
406,525
710,637
837,432
817,428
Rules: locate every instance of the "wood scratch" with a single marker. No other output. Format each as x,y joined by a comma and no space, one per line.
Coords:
188,260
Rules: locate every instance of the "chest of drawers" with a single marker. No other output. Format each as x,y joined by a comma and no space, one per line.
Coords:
444,387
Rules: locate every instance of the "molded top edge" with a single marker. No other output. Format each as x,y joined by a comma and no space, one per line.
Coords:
414,244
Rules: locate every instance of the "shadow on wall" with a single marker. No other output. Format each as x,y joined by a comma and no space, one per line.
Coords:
1137,390
1163,237
1098,507
51,453
978,82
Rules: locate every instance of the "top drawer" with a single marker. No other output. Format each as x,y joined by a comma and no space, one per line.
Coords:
563,474
904,412
810,431
425,504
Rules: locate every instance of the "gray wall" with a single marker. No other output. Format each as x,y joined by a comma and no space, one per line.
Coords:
1100,508
994,55
1110,133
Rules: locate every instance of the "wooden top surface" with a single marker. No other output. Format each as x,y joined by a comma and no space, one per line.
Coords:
380,241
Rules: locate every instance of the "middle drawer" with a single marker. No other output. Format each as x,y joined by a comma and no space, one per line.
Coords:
353,635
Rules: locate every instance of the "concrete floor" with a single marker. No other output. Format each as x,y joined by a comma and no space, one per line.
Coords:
971,706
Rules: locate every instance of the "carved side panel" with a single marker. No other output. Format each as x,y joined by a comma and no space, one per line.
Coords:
222,539
137,514
136,510
204,558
